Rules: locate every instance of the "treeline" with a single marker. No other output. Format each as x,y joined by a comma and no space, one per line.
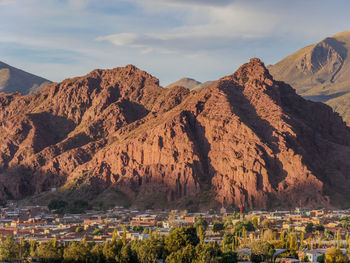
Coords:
181,245
75,207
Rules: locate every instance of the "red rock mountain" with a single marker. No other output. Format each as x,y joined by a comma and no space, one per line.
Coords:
245,139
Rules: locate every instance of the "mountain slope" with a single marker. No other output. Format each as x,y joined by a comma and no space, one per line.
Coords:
320,72
16,80
188,83
245,139
203,85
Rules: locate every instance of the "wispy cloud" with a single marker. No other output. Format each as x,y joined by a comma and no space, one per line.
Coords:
222,26
201,38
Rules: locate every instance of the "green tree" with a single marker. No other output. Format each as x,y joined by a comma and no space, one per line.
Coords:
320,259
261,251
206,253
150,250
127,255
235,216
201,222
97,232
23,249
218,227
111,249
49,252
79,229
33,245
124,235
97,254
228,257
329,234
184,255
240,225
138,229
334,255
283,239
255,222
77,252
227,241
309,228
302,237
181,237
339,239
78,206
345,222
8,249
57,204
319,228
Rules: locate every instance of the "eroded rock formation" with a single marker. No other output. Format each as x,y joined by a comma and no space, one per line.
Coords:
245,139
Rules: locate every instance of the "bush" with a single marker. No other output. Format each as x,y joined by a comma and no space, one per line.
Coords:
334,255
217,227
57,204
309,228
181,237
79,229
247,225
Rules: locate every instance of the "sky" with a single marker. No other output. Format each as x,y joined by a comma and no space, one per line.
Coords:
170,39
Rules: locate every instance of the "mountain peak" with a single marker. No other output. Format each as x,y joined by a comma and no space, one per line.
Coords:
118,133
253,70
15,80
320,72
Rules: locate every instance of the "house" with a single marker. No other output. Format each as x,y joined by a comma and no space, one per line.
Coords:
144,220
311,255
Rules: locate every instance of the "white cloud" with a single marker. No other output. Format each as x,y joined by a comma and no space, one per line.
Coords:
222,26
202,38
122,39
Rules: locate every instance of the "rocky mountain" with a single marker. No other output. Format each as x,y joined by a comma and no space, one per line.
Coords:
320,72
117,136
16,80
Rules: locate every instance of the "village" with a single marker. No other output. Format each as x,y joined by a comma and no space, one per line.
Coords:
306,234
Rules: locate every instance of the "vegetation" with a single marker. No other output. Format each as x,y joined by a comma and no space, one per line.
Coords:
217,227
345,222
334,255
243,225
182,245
74,207
261,251
309,228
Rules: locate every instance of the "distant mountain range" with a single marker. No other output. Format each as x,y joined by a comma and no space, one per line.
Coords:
190,84
16,80
320,72
117,137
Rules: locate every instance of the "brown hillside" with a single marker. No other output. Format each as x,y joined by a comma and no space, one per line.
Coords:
245,139
320,72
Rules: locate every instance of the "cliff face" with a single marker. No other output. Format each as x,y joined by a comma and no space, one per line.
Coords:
245,139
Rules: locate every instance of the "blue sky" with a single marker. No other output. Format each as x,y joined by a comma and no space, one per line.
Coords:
171,39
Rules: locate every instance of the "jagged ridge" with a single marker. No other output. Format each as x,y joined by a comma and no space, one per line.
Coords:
245,139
